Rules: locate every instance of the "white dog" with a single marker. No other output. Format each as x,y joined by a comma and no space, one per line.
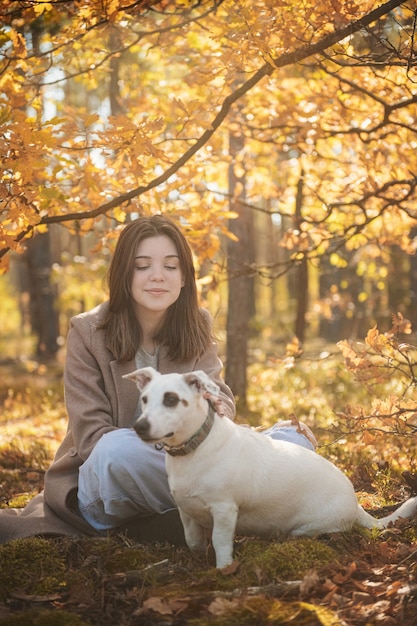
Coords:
230,479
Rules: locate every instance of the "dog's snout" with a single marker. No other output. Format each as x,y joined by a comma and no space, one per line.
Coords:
141,427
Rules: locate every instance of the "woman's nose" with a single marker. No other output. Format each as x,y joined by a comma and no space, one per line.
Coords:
157,274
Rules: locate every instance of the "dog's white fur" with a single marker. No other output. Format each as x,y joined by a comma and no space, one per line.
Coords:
239,480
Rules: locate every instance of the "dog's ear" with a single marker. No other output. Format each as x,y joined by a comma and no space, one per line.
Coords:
203,383
142,376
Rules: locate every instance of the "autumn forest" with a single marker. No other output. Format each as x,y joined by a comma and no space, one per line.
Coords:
282,138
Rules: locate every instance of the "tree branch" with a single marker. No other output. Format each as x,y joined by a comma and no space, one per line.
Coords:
267,69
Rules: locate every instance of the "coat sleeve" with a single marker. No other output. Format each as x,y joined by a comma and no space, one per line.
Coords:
87,398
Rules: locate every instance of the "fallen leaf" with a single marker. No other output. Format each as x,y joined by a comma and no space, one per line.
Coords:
362,597
395,588
342,577
159,605
219,606
309,582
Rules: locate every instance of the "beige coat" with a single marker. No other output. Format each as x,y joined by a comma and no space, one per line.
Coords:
98,400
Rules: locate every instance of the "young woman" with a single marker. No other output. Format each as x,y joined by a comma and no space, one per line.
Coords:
104,476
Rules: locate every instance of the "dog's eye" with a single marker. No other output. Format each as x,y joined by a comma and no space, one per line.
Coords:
171,399
144,399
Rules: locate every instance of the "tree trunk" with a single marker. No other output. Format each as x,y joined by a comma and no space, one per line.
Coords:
402,286
239,256
302,281
412,306
38,263
42,310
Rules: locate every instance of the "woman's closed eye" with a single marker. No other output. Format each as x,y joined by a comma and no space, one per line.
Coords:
170,268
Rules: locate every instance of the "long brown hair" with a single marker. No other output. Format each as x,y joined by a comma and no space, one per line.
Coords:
186,331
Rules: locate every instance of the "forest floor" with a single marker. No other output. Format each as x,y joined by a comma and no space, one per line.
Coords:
355,578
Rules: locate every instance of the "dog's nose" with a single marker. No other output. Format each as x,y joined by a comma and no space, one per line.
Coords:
141,427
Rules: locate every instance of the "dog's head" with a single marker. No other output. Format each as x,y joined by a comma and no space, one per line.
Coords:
173,405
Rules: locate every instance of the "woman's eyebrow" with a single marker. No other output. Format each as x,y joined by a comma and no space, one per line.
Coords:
167,256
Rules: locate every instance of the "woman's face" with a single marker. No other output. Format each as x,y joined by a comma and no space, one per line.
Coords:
157,277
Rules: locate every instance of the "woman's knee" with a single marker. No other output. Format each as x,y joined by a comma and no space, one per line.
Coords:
122,458
120,448
123,476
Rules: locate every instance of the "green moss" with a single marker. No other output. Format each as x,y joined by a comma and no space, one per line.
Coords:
116,556
33,566
125,559
287,560
410,534
43,618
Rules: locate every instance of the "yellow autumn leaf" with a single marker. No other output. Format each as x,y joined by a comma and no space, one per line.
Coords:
293,348
119,215
42,228
367,438
337,261
19,44
4,263
41,7
375,340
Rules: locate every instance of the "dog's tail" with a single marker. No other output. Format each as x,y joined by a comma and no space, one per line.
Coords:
406,510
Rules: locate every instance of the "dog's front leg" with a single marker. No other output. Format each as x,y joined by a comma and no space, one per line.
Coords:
224,527
195,534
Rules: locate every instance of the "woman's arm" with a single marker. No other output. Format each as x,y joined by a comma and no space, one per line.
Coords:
88,402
